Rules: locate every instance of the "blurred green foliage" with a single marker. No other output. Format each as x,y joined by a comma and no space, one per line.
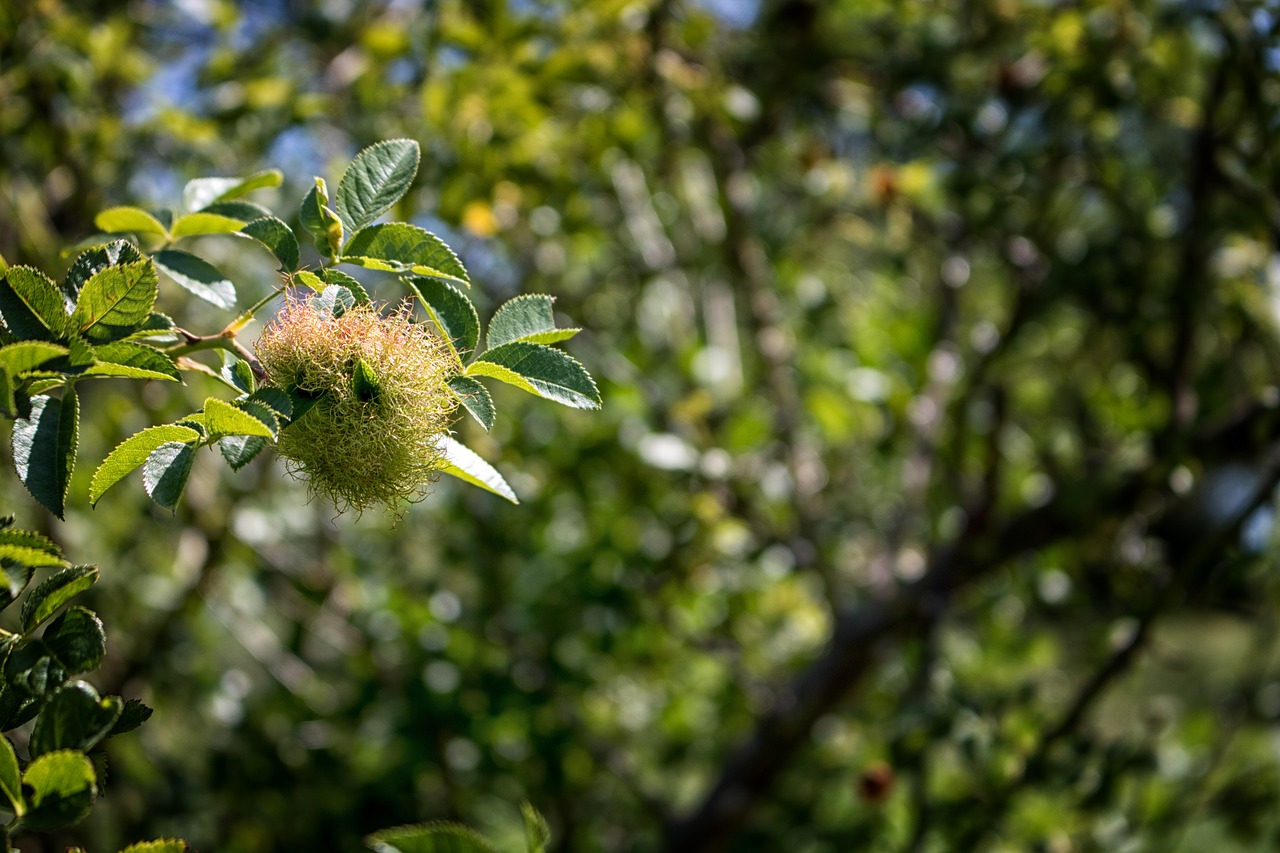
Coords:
931,504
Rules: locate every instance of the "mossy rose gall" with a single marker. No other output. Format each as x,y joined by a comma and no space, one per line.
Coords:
380,385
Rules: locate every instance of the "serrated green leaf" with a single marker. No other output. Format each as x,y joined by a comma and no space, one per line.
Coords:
44,448
465,464
240,450
195,224
93,260
261,412
198,276
62,785
134,715
376,179
540,370
199,193
475,398
54,591
238,372
338,277
74,717
22,555
30,672
400,247
17,317
334,299
11,777
526,318
277,400
537,834
163,845
451,310
34,541
116,301
222,418
133,220
165,473
27,355
134,361
439,837
276,236
133,452
77,639
43,299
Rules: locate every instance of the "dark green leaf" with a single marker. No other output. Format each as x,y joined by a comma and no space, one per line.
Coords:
134,451
276,236
17,317
132,716
74,717
526,318
62,786
44,448
451,310
76,638
198,276
240,450
238,372
165,473
475,399
54,591
376,179
91,261
429,838
43,299
116,301
400,247
540,370
29,673
278,400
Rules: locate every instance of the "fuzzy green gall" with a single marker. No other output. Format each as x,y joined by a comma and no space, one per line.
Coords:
380,385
